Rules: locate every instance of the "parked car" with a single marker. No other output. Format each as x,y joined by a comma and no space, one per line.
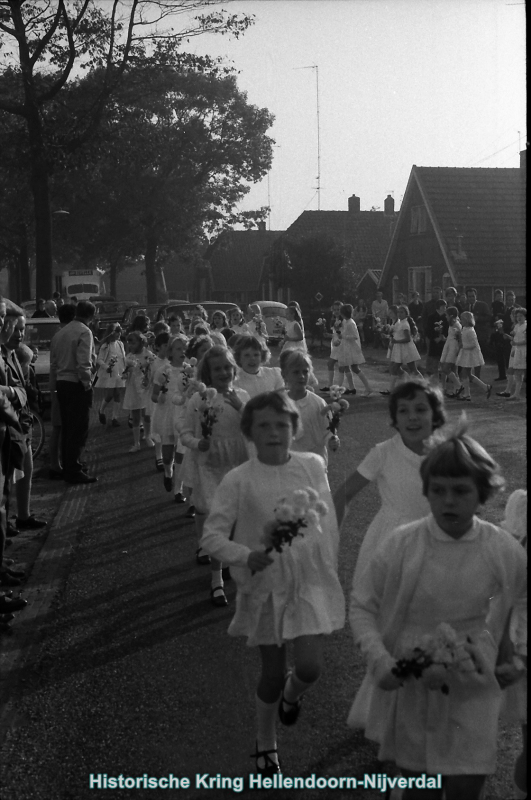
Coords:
188,310
39,333
134,309
108,311
274,315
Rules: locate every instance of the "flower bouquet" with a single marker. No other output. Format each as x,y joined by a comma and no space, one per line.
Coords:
434,657
130,363
111,365
209,412
335,409
291,515
187,372
437,329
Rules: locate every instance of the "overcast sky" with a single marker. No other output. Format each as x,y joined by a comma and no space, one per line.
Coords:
401,82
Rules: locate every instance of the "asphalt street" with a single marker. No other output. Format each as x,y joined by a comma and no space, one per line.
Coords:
121,666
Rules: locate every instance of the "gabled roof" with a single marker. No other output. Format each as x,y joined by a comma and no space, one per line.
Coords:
484,207
236,259
373,274
364,235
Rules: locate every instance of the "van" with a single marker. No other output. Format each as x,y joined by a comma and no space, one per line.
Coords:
274,315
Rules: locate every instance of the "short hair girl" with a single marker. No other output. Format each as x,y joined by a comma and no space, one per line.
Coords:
450,351
470,356
137,369
349,355
111,364
244,505
252,355
449,566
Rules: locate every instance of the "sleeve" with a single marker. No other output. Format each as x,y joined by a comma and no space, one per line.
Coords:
102,355
279,380
84,358
157,376
372,464
188,432
351,331
364,612
219,525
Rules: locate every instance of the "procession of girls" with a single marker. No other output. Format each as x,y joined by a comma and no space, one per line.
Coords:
426,559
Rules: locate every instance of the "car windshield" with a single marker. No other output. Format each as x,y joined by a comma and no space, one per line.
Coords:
40,334
269,311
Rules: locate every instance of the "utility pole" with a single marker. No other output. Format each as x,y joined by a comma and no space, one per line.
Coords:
316,68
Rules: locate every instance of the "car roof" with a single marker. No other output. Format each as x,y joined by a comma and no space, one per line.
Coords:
268,303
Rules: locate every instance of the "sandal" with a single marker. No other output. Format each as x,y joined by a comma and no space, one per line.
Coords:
270,767
202,559
218,597
159,465
290,716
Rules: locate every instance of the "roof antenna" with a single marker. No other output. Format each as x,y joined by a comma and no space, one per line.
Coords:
316,68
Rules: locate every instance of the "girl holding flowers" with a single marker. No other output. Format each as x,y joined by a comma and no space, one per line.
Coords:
449,567
169,386
314,431
252,356
211,431
137,374
273,521
111,364
349,355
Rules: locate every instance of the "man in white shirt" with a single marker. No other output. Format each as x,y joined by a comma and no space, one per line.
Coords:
379,308
71,368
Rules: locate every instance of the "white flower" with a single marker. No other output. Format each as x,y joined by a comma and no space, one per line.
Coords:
301,498
211,395
178,399
299,512
312,516
312,494
321,508
284,513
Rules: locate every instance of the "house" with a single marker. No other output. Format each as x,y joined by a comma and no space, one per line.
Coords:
459,227
362,237
367,286
237,260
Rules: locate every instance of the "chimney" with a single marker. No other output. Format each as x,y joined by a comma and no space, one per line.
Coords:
389,206
354,204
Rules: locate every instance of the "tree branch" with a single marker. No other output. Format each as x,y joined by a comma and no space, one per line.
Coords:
47,37
58,85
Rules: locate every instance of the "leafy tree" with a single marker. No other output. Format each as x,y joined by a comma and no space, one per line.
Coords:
176,149
315,264
44,44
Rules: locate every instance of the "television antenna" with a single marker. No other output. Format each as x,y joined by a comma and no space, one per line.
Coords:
316,68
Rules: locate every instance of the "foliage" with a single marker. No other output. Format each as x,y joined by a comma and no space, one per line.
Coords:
317,264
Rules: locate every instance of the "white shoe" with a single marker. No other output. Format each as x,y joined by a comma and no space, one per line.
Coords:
134,449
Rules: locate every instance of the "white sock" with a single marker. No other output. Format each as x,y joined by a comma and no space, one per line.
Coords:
266,719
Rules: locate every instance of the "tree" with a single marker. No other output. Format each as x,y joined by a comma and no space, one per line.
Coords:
177,147
45,43
315,265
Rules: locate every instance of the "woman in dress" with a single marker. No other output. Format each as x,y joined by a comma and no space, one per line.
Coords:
470,356
111,364
450,351
349,355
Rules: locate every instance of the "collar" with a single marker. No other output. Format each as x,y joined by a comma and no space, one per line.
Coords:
441,536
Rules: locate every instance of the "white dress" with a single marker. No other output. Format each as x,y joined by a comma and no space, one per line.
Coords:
111,363
299,594
349,350
165,413
403,353
289,326
470,353
267,379
419,579
396,470
518,357
138,387
204,471
452,344
314,432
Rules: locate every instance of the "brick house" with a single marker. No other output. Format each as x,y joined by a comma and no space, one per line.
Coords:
459,227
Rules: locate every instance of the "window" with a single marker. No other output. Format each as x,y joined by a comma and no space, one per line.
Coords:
419,280
418,219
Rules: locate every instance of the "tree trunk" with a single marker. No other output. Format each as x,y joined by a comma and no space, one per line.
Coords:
151,270
24,284
43,224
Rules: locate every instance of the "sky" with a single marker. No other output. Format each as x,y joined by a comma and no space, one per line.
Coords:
438,83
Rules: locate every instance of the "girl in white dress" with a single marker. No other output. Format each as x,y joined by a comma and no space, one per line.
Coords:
218,324
450,351
160,348
401,349
293,332
314,434
237,322
449,567
211,430
137,372
518,357
470,356
255,323
289,596
349,355
111,364
254,376
167,382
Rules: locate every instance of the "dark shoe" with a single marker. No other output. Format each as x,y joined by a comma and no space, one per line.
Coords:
270,767
190,512
350,391
7,604
9,580
498,394
202,559
386,392
168,483
459,392
5,619
290,716
115,423
225,574
15,573
12,531
500,379
56,474
31,523
80,477
159,465
102,418
325,389
217,597
179,498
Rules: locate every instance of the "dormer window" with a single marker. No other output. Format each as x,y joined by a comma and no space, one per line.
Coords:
418,219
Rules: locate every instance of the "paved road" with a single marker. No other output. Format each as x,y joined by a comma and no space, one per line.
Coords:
120,665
